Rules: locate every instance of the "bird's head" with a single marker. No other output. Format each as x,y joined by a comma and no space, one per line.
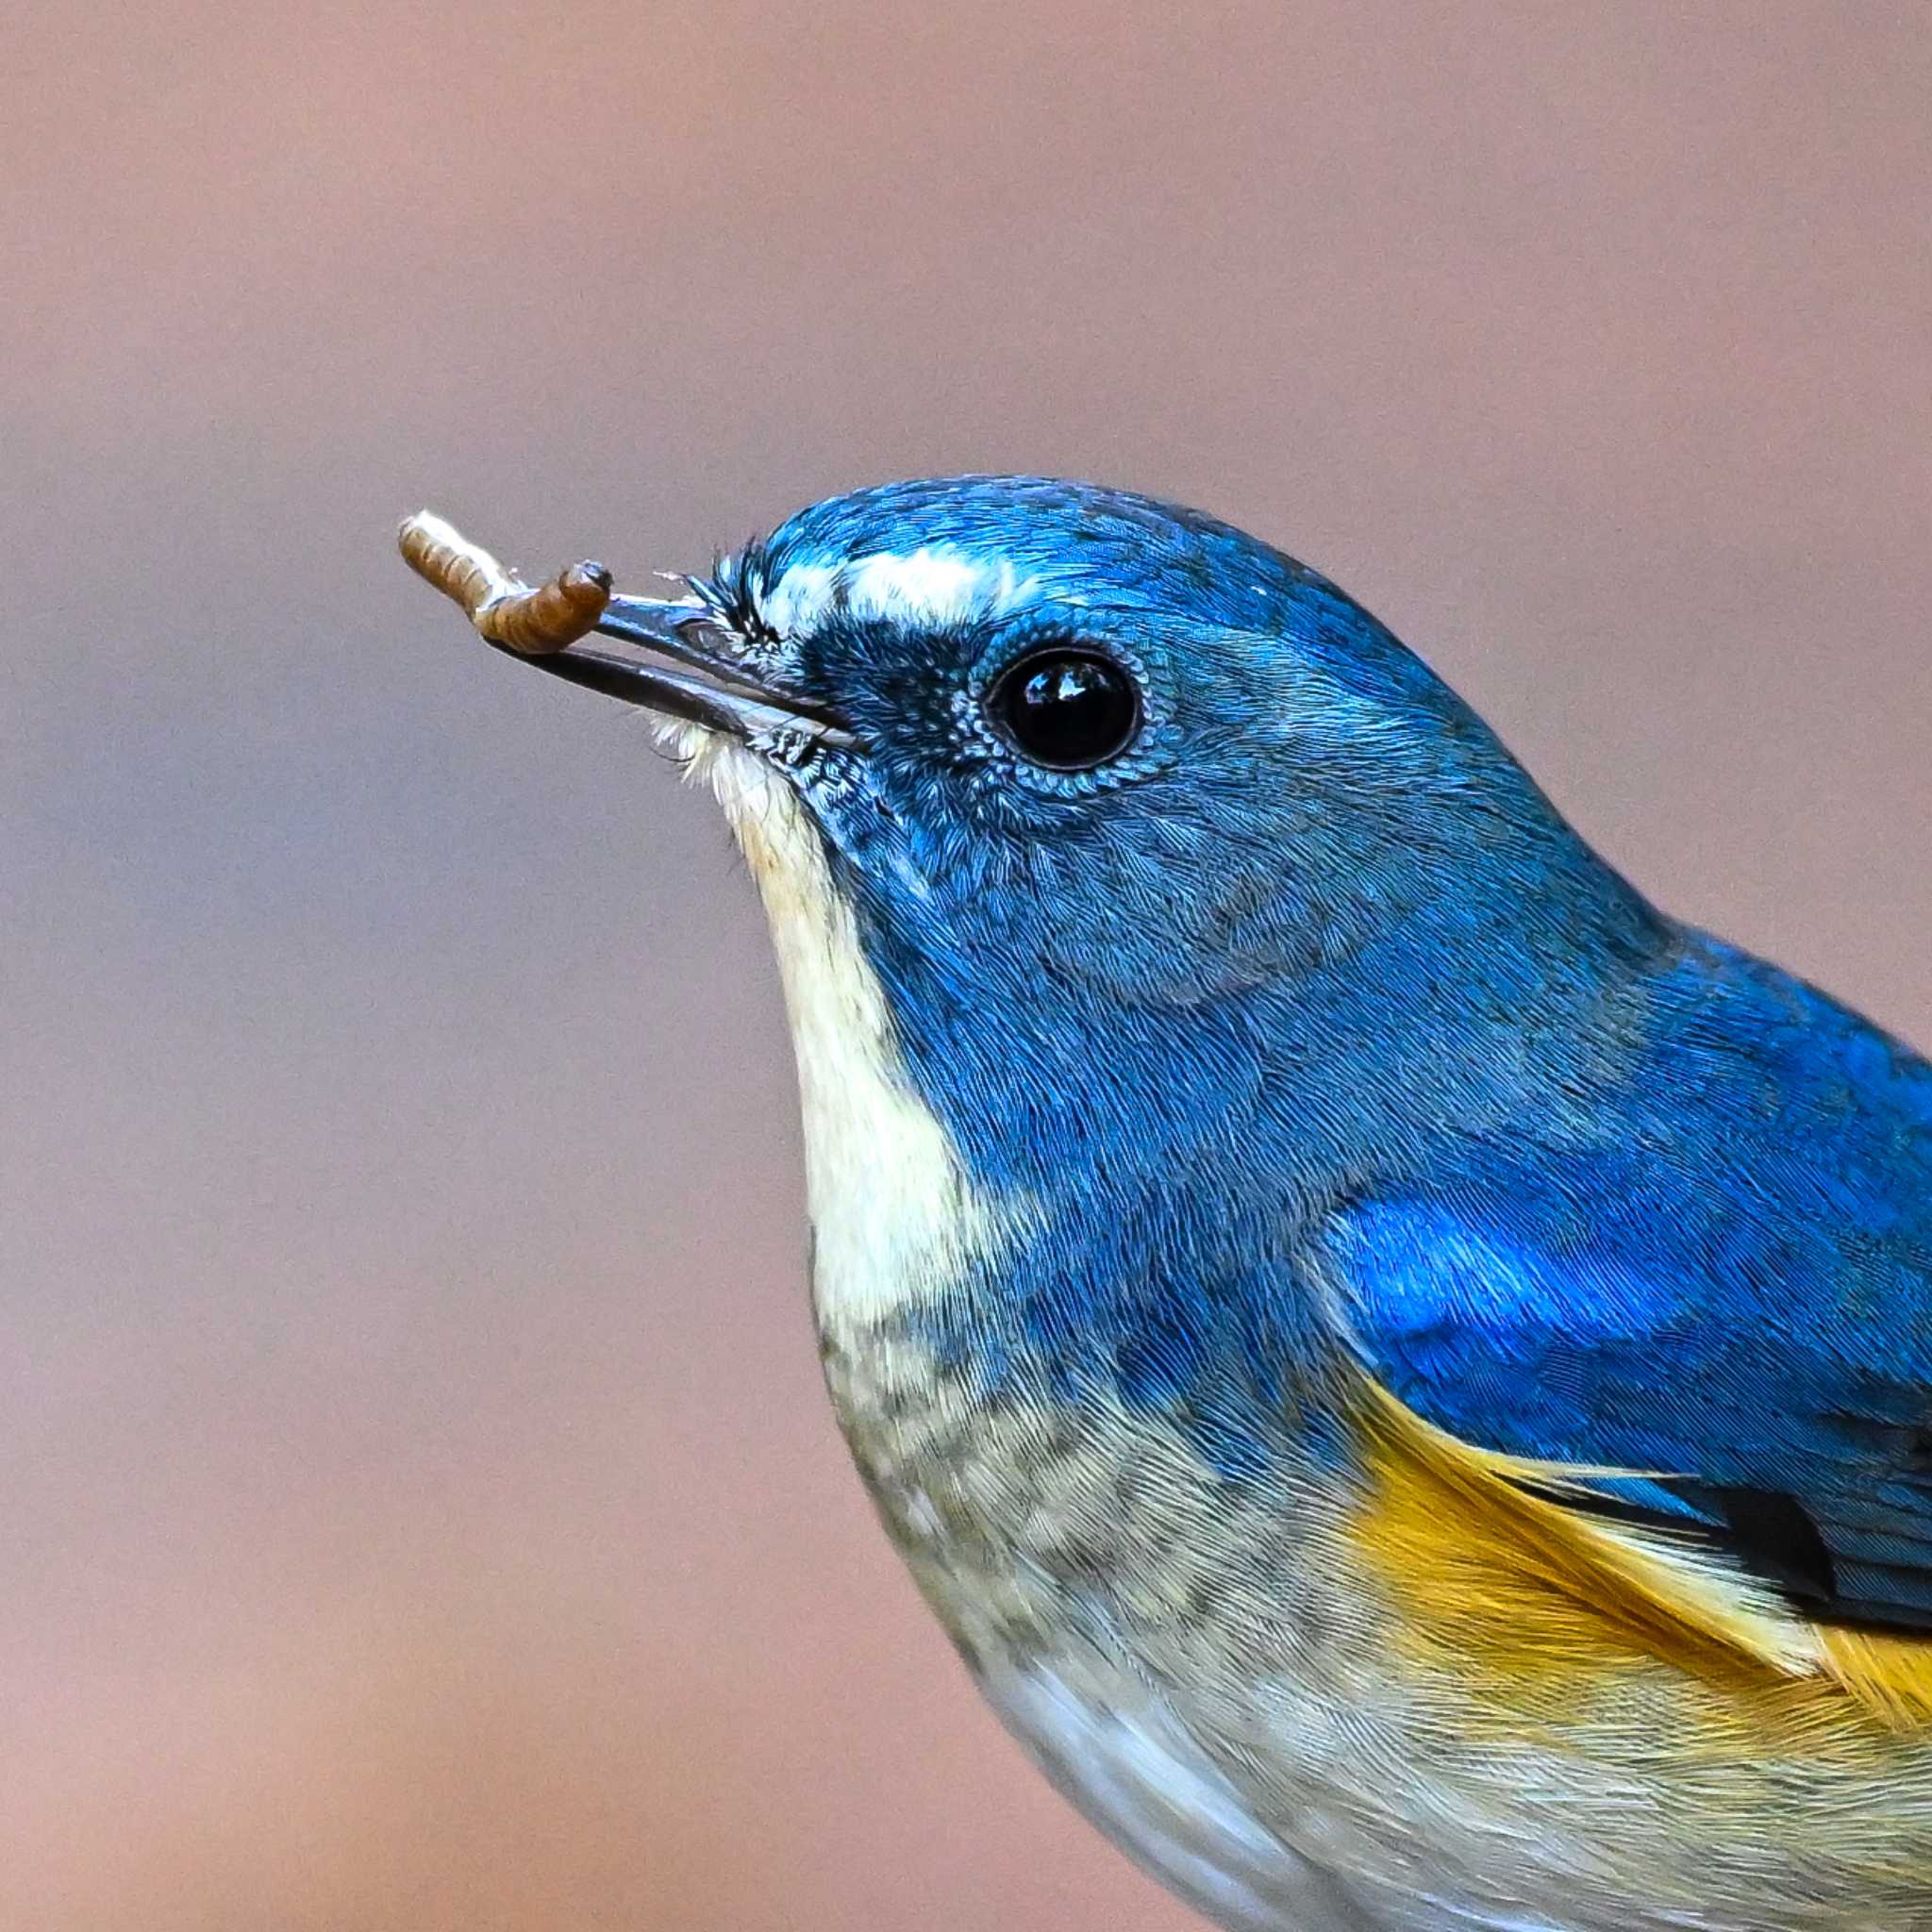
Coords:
1107,824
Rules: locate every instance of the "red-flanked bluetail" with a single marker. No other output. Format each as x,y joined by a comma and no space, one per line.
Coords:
1405,1372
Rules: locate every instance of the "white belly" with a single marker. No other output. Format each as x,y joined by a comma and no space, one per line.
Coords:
1137,1775
1130,1767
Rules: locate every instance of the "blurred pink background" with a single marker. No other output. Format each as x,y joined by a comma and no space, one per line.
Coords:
419,1505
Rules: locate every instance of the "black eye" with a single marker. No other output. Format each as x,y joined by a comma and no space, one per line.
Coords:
1066,709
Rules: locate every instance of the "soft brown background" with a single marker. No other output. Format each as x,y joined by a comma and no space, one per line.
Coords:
417,1505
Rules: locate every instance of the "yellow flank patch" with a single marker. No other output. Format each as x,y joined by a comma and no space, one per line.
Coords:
1545,1600
1529,1589
1889,1674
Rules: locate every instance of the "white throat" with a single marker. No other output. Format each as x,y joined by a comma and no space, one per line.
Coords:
894,1222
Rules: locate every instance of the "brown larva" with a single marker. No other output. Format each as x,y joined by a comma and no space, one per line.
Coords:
538,622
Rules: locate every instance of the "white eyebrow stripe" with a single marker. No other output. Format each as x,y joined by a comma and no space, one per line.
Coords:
931,585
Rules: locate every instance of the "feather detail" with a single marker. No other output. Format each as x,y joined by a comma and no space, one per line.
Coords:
1889,1674
1493,1565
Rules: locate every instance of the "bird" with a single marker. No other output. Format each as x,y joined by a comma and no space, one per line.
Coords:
1404,1369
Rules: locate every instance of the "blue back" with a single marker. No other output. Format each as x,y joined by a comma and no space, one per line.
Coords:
1727,1282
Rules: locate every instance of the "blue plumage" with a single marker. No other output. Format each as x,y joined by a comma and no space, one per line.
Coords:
1319,983
1724,1280
1405,1372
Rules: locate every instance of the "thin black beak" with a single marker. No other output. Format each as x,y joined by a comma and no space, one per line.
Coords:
545,626
712,691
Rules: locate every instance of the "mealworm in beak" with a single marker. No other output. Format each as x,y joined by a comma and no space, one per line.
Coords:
538,622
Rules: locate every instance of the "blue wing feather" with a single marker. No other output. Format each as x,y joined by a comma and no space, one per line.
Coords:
1715,1275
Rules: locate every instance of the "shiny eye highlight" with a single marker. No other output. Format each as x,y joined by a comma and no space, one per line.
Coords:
1066,709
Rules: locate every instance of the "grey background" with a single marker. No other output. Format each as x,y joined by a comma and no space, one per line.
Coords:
419,1505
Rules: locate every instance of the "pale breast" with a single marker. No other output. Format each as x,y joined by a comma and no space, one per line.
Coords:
1124,1762
1204,1675
1081,1565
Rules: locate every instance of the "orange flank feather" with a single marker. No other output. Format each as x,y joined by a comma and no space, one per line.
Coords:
1549,1600
1890,1673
